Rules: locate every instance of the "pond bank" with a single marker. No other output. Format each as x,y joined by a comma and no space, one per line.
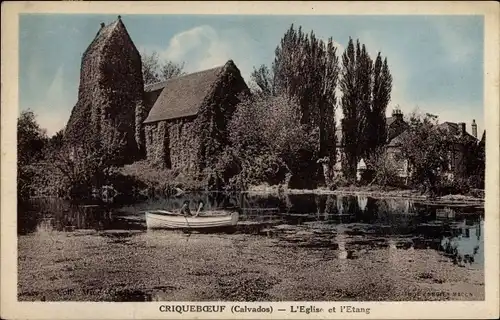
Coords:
145,266
376,192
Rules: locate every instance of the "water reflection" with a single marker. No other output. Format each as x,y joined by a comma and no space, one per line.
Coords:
345,224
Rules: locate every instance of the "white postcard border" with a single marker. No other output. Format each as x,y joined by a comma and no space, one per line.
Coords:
10,308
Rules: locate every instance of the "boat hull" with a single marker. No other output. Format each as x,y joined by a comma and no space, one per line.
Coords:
160,219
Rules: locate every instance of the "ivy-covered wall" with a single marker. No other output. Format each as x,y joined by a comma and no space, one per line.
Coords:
172,144
111,88
191,144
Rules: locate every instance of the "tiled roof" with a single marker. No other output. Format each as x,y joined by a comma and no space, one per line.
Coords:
182,96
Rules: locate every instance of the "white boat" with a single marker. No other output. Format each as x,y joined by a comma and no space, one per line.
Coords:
162,219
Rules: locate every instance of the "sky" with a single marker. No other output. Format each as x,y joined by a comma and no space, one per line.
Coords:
436,61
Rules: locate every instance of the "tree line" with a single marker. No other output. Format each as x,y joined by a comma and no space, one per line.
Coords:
308,71
285,132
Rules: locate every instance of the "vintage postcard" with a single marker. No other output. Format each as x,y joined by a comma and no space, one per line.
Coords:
250,160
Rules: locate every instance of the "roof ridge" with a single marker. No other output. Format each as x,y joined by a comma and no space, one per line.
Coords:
184,95
112,27
108,28
160,83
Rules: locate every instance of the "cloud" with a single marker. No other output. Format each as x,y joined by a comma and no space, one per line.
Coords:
203,48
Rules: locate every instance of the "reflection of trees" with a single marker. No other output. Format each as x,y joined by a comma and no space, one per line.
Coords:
301,203
340,205
215,200
372,207
351,204
320,202
27,217
398,206
331,205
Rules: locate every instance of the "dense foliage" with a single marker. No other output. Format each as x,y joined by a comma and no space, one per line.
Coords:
268,139
46,167
306,69
285,133
155,70
31,140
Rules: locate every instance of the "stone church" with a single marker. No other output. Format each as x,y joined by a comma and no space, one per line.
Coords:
186,126
179,123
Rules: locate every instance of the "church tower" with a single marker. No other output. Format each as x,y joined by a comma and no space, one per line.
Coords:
111,89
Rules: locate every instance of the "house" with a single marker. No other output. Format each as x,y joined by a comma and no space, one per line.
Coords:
458,151
109,95
186,127
395,126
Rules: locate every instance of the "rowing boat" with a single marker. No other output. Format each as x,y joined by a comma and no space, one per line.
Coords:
162,219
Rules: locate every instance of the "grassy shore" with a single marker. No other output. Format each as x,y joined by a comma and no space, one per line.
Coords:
162,180
172,266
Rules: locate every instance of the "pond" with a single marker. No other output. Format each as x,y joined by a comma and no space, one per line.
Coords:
347,225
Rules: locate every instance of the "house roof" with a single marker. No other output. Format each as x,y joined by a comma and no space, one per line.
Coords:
155,86
399,139
451,126
454,129
483,138
390,120
182,96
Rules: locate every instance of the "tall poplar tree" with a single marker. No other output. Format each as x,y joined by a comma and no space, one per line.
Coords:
366,89
349,104
262,81
306,68
381,95
365,84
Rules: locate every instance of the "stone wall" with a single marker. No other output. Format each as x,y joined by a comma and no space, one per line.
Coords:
172,144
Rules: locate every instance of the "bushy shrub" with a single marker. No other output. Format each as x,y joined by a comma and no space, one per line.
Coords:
383,169
266,136
31,140
476,182
339,181
446,186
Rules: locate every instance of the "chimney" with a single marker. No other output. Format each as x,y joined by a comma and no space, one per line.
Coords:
461,128
397,114
474,128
